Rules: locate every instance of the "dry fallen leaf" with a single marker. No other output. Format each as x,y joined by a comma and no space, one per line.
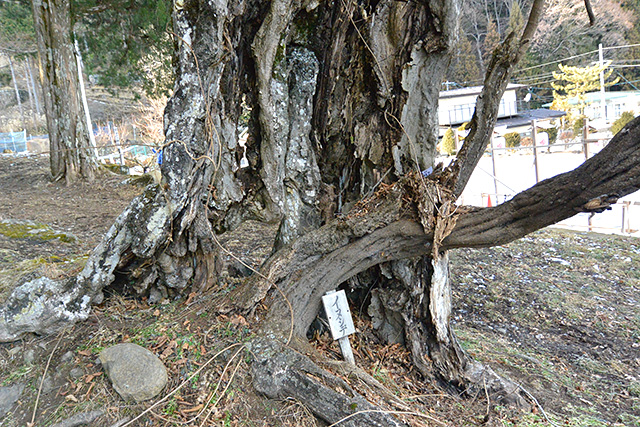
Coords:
90,377
191,296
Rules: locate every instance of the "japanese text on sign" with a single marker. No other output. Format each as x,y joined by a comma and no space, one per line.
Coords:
338,314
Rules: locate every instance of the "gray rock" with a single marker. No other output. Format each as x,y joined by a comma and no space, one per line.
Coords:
67,357
8,396
76,373
43,306
14,351
49,384
81,419
29,356
155,296
135,372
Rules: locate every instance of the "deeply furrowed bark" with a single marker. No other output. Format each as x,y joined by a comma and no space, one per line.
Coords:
339,100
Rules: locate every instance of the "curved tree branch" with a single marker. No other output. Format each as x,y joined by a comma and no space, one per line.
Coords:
321,260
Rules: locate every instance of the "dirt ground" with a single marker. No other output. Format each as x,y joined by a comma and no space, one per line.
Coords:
558,312
85,210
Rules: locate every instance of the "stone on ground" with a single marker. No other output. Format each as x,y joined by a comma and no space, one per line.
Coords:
135,372
8,396
81,419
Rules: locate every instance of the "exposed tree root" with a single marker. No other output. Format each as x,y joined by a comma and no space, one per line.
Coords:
280,372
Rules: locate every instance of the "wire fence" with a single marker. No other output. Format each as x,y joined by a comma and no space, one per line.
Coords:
14,142
504,172
112,146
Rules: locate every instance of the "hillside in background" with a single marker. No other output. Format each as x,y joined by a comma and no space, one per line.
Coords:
564,35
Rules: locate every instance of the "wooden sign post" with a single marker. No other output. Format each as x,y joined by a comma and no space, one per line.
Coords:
340,321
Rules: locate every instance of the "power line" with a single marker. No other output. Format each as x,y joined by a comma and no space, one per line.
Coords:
543,78
620,47
532,78
626,81
576,56
557,61
632,81
614,64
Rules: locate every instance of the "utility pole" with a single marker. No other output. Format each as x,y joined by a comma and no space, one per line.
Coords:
15,86
493,163
603,108
534,135
33,85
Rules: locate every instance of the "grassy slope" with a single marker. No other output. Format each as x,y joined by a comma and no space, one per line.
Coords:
559,312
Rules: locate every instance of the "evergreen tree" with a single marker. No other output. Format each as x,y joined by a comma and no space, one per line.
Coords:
127,45
491,41
624,119
516,19
464,68
16,27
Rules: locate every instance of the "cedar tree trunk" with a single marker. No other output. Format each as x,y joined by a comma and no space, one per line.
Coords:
71,154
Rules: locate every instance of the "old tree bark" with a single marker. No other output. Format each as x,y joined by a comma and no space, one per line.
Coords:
340,102
71,154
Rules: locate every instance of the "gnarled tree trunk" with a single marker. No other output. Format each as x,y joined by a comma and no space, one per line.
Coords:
339,100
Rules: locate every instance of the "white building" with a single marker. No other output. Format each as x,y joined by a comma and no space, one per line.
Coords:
616,103
457,106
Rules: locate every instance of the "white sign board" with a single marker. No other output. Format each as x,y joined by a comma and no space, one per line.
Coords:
338,314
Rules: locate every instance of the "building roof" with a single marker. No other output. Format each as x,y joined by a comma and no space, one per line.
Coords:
524,118
468,91
594,97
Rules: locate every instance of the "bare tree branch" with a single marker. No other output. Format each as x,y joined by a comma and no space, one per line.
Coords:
505,58
319,261
612,173
592,16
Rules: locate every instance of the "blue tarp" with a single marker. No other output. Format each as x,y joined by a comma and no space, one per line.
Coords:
14,141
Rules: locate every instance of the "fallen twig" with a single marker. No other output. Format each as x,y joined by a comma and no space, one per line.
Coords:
225,389
44,374
415,414
546,417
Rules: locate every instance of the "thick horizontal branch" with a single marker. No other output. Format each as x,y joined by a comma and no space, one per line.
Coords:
321,260
614,171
